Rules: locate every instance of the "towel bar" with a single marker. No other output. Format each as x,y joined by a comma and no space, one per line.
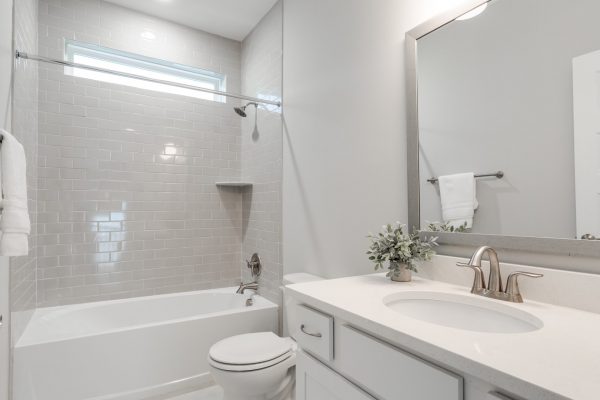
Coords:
498,175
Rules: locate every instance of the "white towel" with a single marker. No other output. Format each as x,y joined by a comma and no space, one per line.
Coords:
14,222
458,199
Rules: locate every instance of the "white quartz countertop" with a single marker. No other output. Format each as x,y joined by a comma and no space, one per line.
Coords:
560,360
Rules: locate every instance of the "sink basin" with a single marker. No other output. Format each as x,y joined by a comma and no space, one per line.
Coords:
467,312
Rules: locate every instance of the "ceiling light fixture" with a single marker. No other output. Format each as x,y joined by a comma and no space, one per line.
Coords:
170,149
148,35
473,13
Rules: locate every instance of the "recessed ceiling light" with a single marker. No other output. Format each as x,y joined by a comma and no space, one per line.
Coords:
148,35
473,13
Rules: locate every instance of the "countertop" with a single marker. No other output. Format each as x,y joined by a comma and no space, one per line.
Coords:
560,360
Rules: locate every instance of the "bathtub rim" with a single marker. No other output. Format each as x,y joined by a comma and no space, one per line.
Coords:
260,303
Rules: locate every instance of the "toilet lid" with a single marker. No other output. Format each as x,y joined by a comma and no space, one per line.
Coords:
249,348
250,367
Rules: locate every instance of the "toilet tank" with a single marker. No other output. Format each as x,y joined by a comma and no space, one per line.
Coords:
289,315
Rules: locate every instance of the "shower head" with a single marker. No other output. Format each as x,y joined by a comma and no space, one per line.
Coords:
241,111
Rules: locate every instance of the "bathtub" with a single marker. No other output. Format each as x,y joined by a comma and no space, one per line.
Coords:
142,348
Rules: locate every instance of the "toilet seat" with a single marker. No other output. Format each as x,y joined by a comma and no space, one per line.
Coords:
250,352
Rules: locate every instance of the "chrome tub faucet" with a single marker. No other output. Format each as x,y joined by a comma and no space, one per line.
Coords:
494,288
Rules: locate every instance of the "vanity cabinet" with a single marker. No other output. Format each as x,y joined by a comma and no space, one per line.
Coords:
338,361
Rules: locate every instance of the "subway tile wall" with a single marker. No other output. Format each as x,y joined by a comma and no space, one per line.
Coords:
127,202
262,151
25,129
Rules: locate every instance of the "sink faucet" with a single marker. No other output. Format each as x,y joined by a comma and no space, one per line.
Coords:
495,280
494,287
244,286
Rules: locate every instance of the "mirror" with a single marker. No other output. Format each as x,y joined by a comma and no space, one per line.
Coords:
512,87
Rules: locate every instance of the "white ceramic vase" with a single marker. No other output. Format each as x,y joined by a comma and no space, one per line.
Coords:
400,272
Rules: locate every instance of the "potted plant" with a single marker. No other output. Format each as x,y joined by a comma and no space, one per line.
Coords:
402,251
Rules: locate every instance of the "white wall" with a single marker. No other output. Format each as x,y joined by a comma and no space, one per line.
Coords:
261,152
6,60
344,170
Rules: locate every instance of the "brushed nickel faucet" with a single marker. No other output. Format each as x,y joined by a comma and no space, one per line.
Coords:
255,267
244,286
494,287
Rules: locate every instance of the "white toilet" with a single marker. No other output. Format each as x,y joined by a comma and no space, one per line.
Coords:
259,366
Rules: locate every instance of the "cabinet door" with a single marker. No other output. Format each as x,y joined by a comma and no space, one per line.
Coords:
315,381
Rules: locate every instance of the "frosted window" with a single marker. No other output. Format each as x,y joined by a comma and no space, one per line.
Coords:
115,60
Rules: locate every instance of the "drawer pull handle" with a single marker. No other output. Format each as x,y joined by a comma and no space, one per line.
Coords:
317,335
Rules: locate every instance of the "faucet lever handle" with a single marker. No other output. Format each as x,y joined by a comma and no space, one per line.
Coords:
478,280
512,284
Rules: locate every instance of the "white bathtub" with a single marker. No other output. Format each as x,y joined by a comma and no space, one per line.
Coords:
141,348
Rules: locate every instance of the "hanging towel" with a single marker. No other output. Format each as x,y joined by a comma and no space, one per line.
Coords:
458,199
14,220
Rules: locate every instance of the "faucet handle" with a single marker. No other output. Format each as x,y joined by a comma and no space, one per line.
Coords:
512,285
478,280
254,265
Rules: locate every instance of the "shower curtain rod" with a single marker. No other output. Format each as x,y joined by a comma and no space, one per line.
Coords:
25,56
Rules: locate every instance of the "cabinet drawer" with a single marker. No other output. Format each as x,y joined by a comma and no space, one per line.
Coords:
392,374
314,332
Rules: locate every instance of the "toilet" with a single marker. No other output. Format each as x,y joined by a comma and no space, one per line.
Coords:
259,366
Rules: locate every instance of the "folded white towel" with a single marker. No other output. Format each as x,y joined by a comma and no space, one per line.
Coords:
458,199
14,222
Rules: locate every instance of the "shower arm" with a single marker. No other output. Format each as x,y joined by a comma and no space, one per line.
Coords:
26,56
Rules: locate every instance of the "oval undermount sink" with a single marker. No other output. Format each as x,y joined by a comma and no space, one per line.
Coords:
468,312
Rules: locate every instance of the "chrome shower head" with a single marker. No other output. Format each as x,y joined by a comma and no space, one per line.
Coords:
241,111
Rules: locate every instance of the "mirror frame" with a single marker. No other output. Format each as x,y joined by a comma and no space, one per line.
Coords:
515,244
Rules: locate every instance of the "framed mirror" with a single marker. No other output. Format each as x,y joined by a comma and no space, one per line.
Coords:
504,125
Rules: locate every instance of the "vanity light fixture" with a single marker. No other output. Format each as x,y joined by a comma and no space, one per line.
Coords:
473,13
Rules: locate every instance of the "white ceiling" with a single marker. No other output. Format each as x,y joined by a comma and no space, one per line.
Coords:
233,19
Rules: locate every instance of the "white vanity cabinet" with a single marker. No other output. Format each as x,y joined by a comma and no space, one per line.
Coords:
338,361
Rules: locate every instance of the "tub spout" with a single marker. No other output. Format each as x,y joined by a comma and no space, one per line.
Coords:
250,300
244,286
